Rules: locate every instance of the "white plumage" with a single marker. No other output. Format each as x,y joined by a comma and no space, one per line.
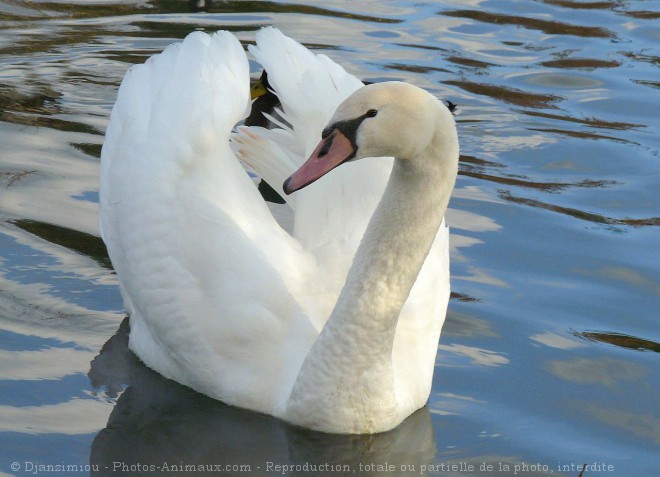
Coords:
221,297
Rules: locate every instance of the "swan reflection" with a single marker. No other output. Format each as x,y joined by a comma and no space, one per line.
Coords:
159,425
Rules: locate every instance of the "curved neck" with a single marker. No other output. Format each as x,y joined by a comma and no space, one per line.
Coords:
351,361
394,247
389,258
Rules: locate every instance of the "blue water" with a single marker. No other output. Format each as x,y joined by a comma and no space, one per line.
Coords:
549,356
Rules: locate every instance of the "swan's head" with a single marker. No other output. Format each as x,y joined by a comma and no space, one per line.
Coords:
383,119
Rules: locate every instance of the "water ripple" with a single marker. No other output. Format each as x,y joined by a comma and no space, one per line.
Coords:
550,27
557,112
619,339
580,214
508,94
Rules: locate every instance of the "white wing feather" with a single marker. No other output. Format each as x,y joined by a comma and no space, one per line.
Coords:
330,217
209,277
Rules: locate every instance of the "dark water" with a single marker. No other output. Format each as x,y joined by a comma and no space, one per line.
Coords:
549,357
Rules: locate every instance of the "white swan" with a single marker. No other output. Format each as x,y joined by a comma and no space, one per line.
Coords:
225,300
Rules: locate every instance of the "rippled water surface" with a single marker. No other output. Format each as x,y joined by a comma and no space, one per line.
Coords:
549,357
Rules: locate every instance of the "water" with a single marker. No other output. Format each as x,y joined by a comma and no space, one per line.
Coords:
548,359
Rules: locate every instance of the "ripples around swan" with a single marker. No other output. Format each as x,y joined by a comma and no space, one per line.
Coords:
548,359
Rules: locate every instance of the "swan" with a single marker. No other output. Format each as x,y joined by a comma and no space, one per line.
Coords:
329,321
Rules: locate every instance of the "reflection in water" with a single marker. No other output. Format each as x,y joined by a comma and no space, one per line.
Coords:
11,178
477,356
578,134
38,107
588,63
295,8
73,417
470,62
626,276
597,5
605,371
579,214
645,427
643,14
507,94
81,242
200,5
620,339
546,26
528,126
654,60
35,365
591,122
474,167
463,325
556,341
156,420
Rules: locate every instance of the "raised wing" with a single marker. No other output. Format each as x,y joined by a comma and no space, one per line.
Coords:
329,217
209,278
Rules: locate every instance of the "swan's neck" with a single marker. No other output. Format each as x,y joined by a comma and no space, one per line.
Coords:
350,364
387,262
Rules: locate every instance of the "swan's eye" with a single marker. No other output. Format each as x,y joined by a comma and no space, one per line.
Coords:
371,113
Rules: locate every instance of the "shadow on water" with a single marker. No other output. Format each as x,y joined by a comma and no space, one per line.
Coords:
157,421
